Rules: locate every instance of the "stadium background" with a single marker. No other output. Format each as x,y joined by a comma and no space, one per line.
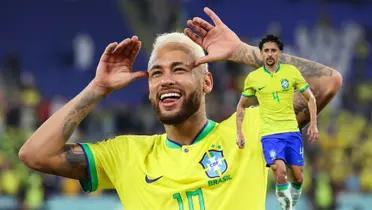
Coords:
49,50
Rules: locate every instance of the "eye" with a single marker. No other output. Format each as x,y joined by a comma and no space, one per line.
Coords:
179,70
155,73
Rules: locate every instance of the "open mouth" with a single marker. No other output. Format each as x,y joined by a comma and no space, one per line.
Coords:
169,98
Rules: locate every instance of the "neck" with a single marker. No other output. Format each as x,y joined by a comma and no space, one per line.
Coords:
272,68
185,132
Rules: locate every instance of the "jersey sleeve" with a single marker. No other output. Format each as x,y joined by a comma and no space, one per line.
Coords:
103,159
248,89
300,82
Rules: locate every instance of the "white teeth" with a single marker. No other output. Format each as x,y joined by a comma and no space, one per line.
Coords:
165,95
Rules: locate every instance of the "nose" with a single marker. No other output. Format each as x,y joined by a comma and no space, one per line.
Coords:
167,80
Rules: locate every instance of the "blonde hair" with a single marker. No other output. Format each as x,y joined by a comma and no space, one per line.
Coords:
177,38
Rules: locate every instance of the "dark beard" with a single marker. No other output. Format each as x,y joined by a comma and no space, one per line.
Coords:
271,65
188,108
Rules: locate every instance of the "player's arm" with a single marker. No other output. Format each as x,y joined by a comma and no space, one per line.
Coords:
46,150
323,80
312,131
221,43
244,102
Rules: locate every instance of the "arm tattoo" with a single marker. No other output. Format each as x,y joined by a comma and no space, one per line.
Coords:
256,60
68,128
247,55
78,113
309,70
75,158
299,104
306,67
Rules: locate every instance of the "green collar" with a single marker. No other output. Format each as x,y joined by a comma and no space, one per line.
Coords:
207,128
267,71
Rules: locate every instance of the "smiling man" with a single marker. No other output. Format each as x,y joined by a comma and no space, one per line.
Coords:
178,96
193,165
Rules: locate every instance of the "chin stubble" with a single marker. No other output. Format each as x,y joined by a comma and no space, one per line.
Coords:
188,108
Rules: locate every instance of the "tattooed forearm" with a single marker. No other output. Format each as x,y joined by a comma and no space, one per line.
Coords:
78,113
251,56
308,68
248,55
68,128
299,103
257,62
301,109
74,157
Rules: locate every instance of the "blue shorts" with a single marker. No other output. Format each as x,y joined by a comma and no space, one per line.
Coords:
283,146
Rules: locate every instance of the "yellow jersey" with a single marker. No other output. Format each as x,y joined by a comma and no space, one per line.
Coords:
274,92
155,173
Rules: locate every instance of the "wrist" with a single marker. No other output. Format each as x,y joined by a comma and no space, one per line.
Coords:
238,49
99,89
313,123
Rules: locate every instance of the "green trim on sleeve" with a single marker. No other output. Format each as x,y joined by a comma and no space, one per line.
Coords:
91,184
246,95
305,87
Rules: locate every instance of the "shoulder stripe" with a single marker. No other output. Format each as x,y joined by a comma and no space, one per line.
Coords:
91,184
247,95
305,87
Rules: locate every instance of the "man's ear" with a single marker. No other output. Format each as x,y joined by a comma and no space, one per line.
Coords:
208,83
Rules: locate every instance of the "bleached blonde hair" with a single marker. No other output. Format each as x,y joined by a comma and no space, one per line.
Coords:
177,38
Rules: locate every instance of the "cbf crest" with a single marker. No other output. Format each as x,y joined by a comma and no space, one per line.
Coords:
214,163
285,84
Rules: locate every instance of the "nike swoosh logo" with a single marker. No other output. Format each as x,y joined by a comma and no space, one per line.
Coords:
149,180
261,88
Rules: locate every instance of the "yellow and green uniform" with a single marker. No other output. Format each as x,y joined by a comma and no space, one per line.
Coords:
154,172
274,92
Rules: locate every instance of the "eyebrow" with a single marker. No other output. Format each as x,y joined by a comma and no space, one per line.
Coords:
177,63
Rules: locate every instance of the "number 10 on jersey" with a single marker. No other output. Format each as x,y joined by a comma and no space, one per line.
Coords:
190,194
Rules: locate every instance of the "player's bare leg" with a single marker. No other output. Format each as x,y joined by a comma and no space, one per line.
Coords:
296,185
282,189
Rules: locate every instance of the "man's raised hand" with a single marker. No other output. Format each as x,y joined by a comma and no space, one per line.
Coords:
218,40
115,68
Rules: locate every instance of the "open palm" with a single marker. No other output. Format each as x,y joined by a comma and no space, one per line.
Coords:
218,40
115,68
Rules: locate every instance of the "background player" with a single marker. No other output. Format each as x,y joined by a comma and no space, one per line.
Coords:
273,84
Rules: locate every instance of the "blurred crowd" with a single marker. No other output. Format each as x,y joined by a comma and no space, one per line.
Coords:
340,162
